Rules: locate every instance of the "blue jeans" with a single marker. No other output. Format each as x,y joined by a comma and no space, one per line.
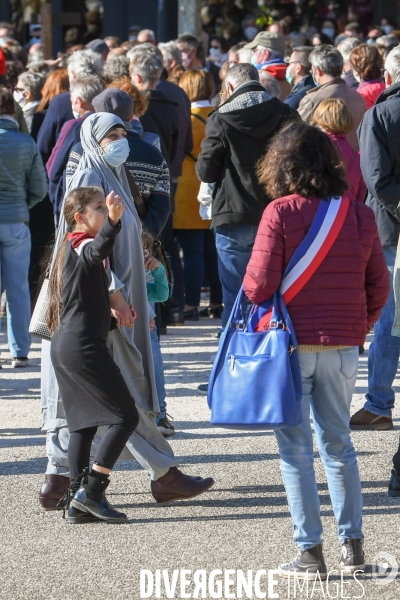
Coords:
328,380
192,243
234,245
383,355
15,248
158,372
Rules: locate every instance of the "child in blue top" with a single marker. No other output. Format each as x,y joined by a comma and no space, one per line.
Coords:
157,291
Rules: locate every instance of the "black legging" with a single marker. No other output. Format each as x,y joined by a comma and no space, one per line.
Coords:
108,451
396,460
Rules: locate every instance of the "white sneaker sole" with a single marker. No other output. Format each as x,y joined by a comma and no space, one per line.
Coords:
301,575
352,569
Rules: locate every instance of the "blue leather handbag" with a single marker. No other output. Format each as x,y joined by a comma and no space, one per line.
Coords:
255,382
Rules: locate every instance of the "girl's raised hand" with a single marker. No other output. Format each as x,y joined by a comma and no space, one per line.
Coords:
115,207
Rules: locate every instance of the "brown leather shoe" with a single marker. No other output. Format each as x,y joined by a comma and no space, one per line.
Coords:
367,421
174,485
52,491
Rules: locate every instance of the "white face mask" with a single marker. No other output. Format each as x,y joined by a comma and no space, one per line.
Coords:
20,98
356,77
117,152
76,114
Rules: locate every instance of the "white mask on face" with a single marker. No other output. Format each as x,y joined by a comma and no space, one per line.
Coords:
76,114
20,98
356,77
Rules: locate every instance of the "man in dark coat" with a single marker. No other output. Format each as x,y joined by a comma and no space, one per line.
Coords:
83,90
237,136
299,75
80,64
379,140
161,116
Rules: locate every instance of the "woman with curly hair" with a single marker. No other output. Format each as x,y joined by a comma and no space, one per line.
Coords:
331,314
366,64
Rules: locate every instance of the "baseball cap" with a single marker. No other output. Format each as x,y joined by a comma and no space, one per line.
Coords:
115,101
98,46
268,39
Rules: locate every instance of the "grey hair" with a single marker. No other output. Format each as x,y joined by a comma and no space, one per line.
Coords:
37,56
244,55
86,88
270,84
146,49
116,67
85,62
303,56
347,46
241,73
149,32
328,59
33,82
387,40
171,51
147,65
392,64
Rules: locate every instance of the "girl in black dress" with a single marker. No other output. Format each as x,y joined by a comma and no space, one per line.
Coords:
92,388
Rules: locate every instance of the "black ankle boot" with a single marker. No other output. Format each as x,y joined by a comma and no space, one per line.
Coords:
352,556
90,498
74,515
307,564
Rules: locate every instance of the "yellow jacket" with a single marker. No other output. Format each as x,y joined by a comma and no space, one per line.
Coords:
186,215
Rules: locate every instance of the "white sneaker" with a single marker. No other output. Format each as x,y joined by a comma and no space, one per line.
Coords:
18,362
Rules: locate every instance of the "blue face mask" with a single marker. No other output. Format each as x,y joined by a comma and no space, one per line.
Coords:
117,152
289,78
254,60
315,81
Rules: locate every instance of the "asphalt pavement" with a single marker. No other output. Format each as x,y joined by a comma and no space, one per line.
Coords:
242,524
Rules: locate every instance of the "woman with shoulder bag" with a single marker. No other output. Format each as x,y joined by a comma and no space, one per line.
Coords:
331,316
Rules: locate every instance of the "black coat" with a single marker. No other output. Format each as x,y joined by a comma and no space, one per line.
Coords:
185,137
162,117
58,113
379,141
92,388
237,136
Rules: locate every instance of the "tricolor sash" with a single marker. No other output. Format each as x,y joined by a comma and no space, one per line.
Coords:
323,232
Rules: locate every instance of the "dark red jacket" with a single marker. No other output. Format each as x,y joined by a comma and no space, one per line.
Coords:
345,296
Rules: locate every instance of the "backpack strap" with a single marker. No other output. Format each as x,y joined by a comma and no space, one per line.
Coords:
199,117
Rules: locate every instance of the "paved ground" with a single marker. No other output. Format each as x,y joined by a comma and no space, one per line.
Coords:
242,523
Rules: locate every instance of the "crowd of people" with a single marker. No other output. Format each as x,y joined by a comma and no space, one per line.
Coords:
135,174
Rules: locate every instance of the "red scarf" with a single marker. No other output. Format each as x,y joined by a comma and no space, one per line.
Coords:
77,237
